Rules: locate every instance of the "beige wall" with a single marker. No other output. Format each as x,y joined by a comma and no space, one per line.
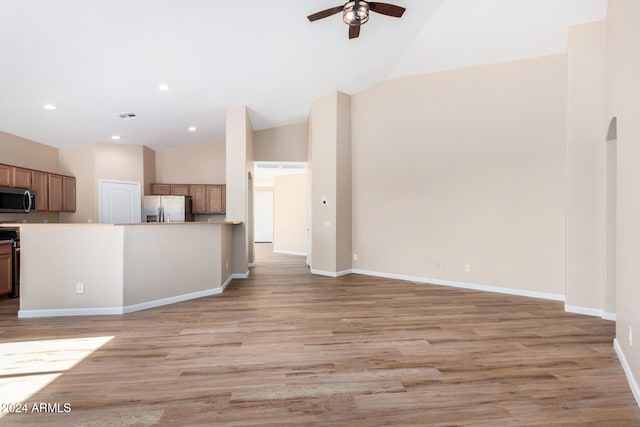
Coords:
282,144
121,162
290,214
330,143
149,166
344,213
192,164
25,153
165,261
623,95
79,161
464,167
132,265
56,257
239,152
322,133
586,167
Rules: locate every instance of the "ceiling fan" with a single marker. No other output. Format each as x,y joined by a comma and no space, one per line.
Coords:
355,13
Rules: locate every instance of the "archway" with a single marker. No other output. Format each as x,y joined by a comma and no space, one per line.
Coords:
609,306
250,222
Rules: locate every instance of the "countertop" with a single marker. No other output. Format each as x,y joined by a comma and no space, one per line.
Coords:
153,224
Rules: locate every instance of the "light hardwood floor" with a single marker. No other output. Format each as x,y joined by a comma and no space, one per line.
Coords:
289,348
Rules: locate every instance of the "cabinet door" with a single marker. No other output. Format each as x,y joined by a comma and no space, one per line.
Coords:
5,268
68,194
180,190
39,184
21,178
214,199
161,189
5,175
198,198
55,192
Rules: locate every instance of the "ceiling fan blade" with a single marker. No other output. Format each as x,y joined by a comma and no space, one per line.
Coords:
325,13
354,31
387,9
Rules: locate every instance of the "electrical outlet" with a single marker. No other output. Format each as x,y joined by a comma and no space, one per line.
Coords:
438,266
355,257
467,268
80,288
630,336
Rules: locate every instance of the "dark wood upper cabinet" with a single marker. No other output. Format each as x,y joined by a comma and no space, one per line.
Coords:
40,185
55,192
5,176
180,189
21,178
161,189
68,194
198,198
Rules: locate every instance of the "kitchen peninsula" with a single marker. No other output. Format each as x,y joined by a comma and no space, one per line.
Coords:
92,269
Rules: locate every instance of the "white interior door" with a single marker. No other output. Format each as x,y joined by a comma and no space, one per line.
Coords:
120,202
263,219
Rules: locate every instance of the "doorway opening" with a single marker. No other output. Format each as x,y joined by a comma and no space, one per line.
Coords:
609,308
281,206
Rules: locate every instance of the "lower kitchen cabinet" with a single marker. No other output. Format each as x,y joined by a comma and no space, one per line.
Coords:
6,272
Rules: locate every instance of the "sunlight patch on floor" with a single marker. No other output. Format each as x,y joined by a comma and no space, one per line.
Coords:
27,367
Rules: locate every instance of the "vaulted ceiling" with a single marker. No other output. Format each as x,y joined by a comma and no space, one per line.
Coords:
97,59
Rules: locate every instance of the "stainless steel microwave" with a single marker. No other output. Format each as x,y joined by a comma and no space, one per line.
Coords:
17,200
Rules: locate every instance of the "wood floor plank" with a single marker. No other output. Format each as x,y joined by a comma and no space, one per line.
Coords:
288,348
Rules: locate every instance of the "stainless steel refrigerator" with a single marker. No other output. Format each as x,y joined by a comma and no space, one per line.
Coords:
166,209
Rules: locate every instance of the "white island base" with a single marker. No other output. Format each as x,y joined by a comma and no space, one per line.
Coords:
100,269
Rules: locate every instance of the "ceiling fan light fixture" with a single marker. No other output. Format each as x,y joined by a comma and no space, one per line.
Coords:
356,12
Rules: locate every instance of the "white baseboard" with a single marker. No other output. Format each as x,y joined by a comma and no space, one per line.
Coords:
240,275
289,253
331,273
589,312
635,389
464,285
122,310
106,311
171,300
252,264
226,283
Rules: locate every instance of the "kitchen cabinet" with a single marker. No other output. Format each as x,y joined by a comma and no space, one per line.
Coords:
55,192
198,198
13,176
208,199
5,176
40,185
161,189
180,189
68,194
21,178
216,195
6,272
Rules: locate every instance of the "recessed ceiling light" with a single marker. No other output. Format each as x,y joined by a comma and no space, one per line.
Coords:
192,129
163,87
116,137
49,107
